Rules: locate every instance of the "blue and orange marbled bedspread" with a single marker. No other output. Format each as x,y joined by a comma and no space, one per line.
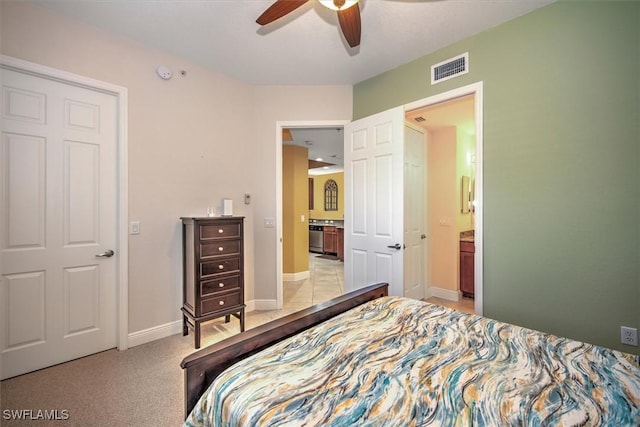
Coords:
402,362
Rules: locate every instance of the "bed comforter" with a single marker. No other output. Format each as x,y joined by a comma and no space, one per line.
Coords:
401,362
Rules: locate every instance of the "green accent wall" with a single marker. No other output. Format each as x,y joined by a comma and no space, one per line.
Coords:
561,163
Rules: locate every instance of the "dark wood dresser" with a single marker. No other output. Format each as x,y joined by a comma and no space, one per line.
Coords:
213,277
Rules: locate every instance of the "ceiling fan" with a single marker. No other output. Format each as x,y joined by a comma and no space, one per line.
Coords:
348,15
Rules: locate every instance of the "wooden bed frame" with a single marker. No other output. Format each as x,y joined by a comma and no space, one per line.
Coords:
203,366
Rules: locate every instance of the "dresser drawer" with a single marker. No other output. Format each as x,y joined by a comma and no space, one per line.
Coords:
222,247
212,287
222,302
227,265
220,231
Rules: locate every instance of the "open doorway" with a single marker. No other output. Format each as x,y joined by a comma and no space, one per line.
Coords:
473,89
448,133
308,141
469,127
313,215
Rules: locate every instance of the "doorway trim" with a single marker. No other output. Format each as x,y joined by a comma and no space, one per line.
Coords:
122,238
474,89
279,126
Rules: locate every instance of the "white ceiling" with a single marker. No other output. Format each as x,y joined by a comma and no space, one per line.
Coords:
323,143
305,47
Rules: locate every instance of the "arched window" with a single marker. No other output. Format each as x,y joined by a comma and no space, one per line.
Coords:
330,195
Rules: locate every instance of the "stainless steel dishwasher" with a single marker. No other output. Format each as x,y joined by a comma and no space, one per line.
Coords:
316,238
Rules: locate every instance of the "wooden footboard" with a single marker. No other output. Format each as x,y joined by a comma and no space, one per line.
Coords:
203,366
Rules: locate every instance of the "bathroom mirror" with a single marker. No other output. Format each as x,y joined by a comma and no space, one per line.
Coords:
465,199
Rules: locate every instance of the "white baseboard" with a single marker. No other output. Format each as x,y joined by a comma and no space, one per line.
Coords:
292,277
162,331
155,333
448,294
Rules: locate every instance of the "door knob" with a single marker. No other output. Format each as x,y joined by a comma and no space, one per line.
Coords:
396,246
423,236
106,254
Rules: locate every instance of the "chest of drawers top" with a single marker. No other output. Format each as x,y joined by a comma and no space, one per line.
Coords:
216,228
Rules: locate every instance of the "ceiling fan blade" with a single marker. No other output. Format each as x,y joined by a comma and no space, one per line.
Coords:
279,9
350,24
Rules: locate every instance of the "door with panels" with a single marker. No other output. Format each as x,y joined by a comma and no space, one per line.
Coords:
374,205
59,217
415,236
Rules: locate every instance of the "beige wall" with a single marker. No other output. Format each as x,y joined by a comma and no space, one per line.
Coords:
190,146
295,205
318,211
442,212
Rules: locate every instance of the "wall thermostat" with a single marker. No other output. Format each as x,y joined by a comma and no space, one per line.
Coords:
163,72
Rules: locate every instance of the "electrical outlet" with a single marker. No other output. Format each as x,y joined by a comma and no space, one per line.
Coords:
269,222
628,336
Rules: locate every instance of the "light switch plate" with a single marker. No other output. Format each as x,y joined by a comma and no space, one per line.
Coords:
134,227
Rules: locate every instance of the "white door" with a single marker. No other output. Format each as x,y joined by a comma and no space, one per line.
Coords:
414,221
373,164
59,214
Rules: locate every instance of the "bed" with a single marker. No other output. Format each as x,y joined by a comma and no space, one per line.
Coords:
367,358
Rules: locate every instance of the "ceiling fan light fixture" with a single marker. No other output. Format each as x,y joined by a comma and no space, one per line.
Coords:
338,4
348,15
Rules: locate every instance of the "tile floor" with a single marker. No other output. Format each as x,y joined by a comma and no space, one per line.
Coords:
325,282
465,304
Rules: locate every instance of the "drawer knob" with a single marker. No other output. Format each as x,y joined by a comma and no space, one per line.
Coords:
220,230
220,249
221,285
221,267
221,303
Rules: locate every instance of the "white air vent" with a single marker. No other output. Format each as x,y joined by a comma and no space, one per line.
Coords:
450,68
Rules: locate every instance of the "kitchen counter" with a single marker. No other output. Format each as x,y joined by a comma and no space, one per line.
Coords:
329,222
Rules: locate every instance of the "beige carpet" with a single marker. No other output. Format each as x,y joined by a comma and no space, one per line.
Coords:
141,386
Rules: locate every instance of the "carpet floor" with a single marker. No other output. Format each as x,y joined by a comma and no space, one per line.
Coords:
141,386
